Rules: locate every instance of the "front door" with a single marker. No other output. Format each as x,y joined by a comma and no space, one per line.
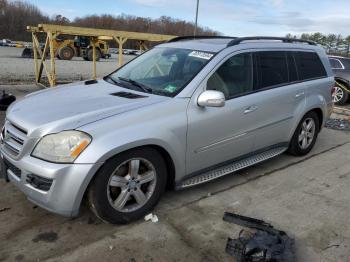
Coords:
218,135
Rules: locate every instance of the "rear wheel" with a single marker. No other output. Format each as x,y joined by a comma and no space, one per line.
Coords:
305,135
128,186
66,53
340,95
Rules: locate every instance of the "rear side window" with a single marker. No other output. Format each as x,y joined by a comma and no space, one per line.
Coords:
309,66
271,69
335,63
292,69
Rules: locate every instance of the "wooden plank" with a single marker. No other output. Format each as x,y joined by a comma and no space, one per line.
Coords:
74,30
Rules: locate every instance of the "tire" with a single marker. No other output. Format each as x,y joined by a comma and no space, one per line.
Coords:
28,53
340,96
66,53
90,54
117,203
298,147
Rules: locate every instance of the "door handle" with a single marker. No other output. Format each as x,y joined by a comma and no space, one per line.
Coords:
300,94
250,109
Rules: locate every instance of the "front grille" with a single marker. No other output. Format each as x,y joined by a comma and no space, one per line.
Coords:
13,138
15,170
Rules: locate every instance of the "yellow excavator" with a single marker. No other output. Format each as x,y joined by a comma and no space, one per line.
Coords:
80,46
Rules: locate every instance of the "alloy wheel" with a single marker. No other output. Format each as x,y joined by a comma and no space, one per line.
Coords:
338,94
307,133
131,185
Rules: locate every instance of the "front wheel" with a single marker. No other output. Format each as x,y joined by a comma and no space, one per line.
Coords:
128,186
304,137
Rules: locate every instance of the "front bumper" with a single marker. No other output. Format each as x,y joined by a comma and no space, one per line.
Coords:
69,182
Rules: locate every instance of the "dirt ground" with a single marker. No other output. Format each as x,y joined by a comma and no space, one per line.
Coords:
308,197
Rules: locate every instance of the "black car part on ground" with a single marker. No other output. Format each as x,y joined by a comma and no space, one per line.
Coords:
265,245
6,100
338,124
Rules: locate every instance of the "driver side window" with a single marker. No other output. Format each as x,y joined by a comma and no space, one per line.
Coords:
234,77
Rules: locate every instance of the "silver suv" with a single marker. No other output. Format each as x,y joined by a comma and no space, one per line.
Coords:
181,114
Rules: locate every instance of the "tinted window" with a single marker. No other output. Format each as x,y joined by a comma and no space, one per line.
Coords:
271,69
234,77
309,65
292,69
335,63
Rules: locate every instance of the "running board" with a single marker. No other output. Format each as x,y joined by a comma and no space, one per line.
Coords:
230,168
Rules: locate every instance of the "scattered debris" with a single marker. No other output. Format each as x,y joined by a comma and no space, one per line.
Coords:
6,100
4,209
151,217
265,245
111,247
338,124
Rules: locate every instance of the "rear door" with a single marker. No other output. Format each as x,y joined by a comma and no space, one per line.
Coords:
278,99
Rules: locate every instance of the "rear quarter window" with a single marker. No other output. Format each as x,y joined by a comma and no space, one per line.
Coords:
309,66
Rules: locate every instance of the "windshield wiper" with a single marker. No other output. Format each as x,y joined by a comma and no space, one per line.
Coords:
137,84
112,79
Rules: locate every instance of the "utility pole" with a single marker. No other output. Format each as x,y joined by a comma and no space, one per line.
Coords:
195,26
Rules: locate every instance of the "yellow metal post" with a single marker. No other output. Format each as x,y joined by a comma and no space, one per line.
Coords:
35,52
93,58
120,41
143,47
52,58
42,55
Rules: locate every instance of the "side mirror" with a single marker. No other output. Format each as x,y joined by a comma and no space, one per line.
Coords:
211,98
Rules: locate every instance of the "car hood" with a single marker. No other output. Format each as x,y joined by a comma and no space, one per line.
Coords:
72,106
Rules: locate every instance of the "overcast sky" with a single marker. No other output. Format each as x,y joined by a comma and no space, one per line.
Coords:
230,17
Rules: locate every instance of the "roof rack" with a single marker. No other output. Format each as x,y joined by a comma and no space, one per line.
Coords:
238,40
191,37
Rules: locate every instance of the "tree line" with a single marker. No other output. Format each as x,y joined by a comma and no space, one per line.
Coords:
16,15
334,44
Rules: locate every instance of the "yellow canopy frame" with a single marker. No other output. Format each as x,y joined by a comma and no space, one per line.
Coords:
52,31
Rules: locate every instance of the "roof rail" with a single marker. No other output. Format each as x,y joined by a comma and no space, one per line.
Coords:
238,40
191,37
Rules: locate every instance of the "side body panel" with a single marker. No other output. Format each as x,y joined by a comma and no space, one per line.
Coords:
163,124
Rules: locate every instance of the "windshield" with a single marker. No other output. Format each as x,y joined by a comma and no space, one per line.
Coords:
163,71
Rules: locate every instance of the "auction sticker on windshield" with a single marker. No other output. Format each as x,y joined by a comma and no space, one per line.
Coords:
199,54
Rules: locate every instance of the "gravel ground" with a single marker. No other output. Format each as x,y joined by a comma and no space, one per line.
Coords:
17,70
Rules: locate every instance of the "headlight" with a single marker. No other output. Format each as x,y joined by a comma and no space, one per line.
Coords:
62,147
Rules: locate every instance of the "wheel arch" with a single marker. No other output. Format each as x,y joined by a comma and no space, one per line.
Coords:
341,79
170,165
320,116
